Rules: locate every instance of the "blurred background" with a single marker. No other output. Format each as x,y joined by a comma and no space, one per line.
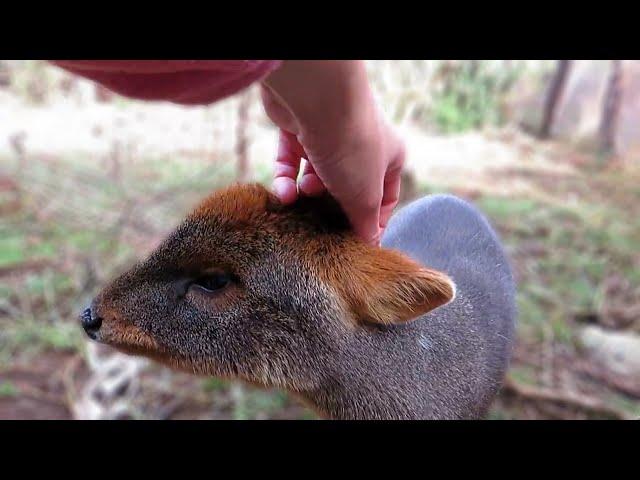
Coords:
90,182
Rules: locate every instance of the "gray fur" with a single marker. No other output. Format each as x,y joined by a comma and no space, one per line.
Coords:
450,362
283,327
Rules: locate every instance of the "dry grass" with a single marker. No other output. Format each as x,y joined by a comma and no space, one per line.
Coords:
69,221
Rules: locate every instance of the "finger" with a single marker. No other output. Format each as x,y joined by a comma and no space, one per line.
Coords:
363,212
287,167
289,143
310,183
390,196
392,184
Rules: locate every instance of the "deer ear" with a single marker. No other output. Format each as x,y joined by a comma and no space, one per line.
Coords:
386,287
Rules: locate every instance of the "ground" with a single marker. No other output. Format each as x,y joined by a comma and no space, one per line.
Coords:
571,227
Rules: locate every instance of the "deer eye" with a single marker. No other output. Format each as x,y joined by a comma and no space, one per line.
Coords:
212,282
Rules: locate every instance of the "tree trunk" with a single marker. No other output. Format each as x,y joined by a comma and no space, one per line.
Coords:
5,74
554,95
243,172
611,110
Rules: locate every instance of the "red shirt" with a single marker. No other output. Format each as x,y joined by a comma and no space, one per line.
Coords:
188,82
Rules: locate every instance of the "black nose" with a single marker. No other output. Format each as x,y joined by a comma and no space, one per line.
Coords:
90,322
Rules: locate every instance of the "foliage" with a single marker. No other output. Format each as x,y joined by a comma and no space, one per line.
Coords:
470,94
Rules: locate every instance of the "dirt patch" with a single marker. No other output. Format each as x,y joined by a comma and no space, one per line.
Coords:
38,388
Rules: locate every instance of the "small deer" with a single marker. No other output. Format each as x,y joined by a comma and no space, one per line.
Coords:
288,297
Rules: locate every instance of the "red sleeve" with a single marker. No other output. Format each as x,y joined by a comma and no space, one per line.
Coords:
189,82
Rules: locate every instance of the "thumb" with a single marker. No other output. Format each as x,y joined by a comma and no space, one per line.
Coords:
287,166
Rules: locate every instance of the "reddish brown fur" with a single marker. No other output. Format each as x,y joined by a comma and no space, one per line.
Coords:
238,204
378,285
385,286
126,336
287,296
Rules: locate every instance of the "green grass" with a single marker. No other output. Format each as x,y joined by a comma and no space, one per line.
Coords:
249,402
523,374
564,251
12,249
500,208
66,222
498,414
8,389
252,404
629,406
78,224
29,337
214,384
578,245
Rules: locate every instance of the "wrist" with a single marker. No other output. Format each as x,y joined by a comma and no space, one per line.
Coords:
330,101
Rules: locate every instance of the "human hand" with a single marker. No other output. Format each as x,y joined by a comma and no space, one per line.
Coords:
327,115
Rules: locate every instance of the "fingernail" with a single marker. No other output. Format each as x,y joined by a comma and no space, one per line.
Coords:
375,241
311,185
379,236
284,189
279,188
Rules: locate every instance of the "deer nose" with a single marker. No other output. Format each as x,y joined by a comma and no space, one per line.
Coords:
90,322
